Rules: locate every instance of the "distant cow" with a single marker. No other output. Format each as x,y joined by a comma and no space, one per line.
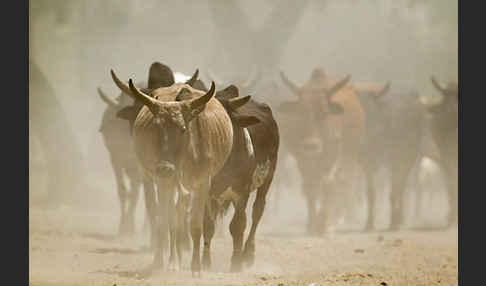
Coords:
250,166
323,130
117,139
444,130
182,136
393,139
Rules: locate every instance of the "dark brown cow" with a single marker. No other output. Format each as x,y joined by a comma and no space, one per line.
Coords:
182,136
250,166
444,130
323,131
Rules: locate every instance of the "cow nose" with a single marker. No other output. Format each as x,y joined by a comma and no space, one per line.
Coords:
165,169
312,145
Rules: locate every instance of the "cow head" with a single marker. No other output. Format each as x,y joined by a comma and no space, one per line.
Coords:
444,113
172,108
231,101
309,116
450,97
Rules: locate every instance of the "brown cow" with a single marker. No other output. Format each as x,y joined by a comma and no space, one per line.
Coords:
182,136
323,130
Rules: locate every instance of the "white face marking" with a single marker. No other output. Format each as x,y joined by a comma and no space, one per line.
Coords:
248,143
259,175
180,77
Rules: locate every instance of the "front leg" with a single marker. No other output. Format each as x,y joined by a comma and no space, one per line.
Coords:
197,217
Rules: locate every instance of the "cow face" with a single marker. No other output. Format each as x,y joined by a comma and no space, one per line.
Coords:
171,110
311,116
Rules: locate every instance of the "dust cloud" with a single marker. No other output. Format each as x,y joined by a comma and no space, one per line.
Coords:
73,44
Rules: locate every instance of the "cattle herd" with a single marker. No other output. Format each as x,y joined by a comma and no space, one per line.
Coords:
198,150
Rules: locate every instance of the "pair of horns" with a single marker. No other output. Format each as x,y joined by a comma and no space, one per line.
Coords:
133,91
329,91
444,91
106,99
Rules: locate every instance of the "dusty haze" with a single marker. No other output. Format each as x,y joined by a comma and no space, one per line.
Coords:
402,41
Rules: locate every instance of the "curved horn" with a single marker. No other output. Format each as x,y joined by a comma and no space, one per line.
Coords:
340,84
437,85
193,79
237,102
121,85
105,98
293,87
202,100
385,89
145,99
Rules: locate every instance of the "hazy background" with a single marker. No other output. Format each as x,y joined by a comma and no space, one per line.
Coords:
76,43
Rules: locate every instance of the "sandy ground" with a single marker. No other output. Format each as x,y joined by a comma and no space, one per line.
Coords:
74,247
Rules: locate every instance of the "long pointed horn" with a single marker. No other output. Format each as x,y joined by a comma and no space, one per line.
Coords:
340,84
193,79
202,100
437,85
385,89
145,99
105,98
121,85
293,87
237,102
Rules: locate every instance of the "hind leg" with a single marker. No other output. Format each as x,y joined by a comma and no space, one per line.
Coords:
257,212
237,229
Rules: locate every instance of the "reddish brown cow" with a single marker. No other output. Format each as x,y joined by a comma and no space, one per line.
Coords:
323,129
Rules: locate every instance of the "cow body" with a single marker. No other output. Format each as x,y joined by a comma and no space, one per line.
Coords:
323,130
393,141
117,140
250,166
182,137
444,131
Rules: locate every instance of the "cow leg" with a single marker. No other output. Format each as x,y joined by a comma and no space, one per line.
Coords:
311,198
161,220
122,196
371,197
452,189
399,180
257,212
172,217
237,229
150,205
183,240
209,221
133,196
197,217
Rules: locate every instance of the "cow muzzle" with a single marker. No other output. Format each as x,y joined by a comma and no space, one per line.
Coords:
165,169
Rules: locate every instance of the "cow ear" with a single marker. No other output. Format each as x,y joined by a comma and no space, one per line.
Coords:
125,113
288,107
245,120
335,108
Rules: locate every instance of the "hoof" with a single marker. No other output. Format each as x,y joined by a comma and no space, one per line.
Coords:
196,267
206,262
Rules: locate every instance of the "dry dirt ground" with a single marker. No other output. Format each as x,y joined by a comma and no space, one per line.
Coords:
71,247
